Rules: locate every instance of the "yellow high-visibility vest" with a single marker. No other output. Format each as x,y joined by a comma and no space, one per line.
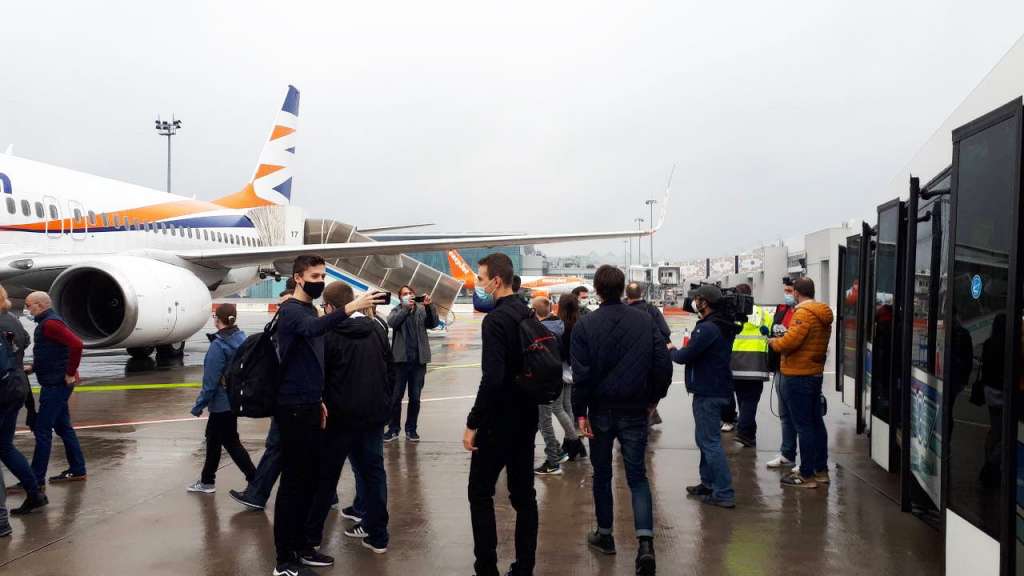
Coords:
750,348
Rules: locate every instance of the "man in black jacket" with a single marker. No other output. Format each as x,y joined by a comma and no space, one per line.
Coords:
635,298
501,426
620,370
359,381
300,412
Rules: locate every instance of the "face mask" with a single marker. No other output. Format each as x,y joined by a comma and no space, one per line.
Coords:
583,302
406,300
789,299
697,308
313,289
482,299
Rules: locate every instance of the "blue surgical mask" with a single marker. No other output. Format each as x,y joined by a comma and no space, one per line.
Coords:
483,301
789,299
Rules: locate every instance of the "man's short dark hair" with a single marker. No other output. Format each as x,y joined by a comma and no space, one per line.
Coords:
579,290
744,289
609,282
633,291
804,287
287,292
338,294
406,286
787,281
517,283
498,266
305,262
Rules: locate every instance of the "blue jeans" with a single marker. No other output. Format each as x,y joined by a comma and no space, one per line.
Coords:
631,432
714,468
411,375
53,417
365,449
803,400
10,456
788,448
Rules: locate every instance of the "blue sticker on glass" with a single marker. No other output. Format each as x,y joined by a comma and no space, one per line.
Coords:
976,287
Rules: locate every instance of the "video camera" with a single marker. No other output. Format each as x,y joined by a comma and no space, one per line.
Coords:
732,305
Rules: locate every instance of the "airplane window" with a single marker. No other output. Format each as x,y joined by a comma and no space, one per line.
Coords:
174,230
102,219
92,218
163,227
53,212
26,208
11,206
40,213
219,237
206,235
78,215
189,230
116,220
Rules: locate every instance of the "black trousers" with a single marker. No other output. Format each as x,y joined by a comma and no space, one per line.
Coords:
513,453
222,432
300,464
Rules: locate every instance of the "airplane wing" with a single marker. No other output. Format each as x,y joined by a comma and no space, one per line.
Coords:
375,229
226,258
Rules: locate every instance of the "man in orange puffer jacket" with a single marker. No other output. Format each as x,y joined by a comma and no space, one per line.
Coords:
804,349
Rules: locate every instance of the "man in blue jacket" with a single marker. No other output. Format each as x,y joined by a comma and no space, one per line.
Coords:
709,379
620,370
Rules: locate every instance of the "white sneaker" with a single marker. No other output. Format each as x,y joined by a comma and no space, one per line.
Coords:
728,427
204,488
356,531
796,469
780,461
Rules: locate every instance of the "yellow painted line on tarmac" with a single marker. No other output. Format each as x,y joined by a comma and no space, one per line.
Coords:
432,368
119,387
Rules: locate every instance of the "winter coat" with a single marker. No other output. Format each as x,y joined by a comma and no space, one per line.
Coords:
804,348
360,374
222,350
708,357
423,319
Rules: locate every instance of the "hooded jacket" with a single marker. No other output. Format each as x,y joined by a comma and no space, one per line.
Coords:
359,375
222,350
804,348
708,357
423,318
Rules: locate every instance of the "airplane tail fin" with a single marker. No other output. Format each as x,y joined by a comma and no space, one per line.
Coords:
271,182
461,270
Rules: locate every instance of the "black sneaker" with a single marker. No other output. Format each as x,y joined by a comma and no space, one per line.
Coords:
581,449
68,476
548,469
374,547
245,500
748,442
32,502
390,436
6,531
709,499
356,531
292,569
603,543
698,490
350,514
315,558
645,565
412,437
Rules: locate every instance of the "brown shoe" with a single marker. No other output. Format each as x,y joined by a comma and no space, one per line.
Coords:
822,477
798,481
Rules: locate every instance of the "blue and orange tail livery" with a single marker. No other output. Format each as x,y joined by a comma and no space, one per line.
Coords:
271,182
460,269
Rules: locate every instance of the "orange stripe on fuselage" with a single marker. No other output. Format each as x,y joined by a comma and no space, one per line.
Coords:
153,213
281,131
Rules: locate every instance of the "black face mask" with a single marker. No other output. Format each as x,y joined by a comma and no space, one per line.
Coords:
313,289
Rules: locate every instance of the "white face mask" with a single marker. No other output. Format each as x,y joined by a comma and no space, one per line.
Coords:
406,299
698,309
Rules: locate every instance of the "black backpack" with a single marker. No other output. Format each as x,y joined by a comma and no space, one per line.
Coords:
541,375
254,374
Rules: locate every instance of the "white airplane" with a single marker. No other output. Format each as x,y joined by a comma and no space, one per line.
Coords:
133,267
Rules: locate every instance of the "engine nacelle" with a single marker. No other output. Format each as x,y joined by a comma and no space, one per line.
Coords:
126,301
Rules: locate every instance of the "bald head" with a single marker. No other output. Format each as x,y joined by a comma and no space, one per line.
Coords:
634,292
542,306
38,302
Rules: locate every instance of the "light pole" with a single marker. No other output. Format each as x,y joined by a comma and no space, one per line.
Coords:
165,128
651,203
639,256
625,253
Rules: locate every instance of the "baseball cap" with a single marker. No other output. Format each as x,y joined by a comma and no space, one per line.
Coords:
707,292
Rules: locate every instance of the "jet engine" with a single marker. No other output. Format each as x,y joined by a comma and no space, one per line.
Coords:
124,301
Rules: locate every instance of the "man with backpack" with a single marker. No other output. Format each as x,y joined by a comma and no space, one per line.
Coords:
359,382
501,427
620,370
299,410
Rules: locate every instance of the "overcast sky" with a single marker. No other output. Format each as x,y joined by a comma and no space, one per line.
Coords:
783,117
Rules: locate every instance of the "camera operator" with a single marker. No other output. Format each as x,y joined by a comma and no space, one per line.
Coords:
709,378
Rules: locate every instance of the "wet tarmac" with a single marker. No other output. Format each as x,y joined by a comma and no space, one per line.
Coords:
133,516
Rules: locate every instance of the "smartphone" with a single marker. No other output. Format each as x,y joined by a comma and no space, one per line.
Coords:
387,298
420,298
